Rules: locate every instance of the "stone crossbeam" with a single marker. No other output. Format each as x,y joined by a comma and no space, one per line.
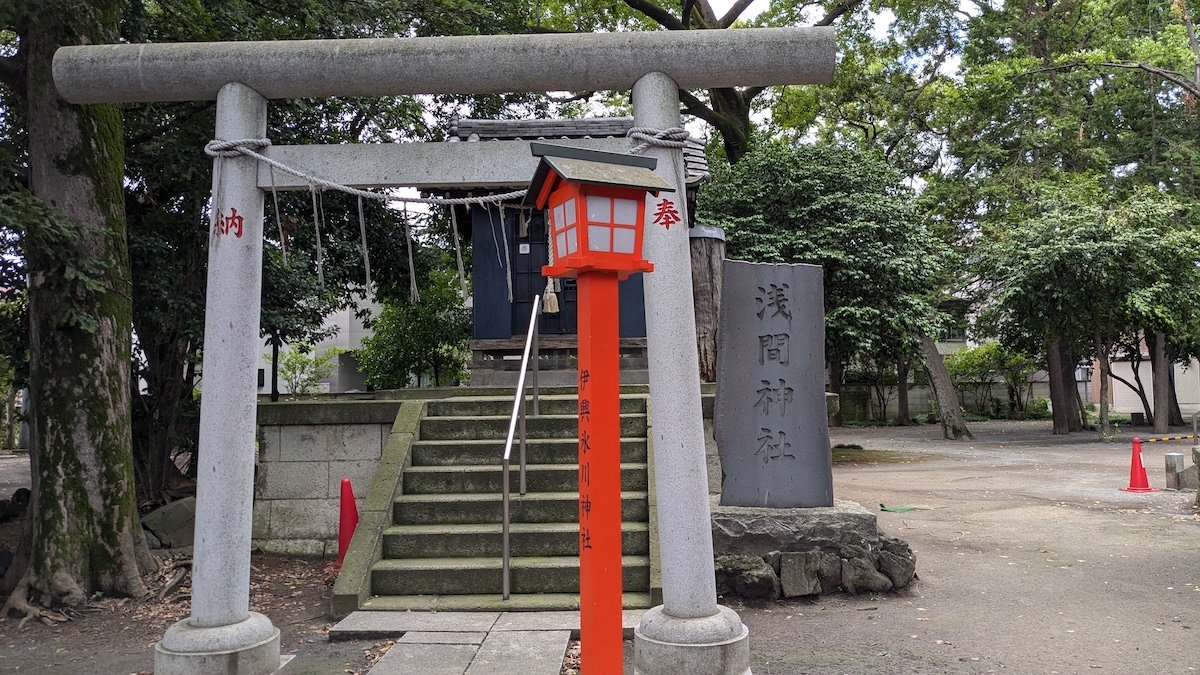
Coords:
482,165
694,59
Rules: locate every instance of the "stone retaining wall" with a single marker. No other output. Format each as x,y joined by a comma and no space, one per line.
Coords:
305,450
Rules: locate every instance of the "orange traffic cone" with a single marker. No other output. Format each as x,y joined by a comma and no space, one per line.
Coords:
1137,471
348,520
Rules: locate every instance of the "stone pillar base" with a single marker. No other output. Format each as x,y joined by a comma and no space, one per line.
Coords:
712,645
249,647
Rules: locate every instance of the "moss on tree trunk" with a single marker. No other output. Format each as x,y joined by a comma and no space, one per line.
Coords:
84,531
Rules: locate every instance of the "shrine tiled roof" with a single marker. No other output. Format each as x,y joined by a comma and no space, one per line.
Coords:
472,130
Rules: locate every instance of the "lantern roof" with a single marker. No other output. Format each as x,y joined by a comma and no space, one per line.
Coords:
592,167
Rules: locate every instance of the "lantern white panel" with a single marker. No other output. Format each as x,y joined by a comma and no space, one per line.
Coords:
560,245
569,205
623,239
558,221
598,237
599,209
572,244
624,212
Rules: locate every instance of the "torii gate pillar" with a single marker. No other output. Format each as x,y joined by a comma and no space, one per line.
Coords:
689,632
222,635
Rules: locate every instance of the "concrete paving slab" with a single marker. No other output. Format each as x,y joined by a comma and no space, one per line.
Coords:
511,621
442,638
410,659
521,653
360,625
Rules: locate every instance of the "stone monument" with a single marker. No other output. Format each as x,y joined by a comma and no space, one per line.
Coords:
770,425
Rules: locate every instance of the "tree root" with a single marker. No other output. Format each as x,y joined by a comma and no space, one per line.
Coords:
19,602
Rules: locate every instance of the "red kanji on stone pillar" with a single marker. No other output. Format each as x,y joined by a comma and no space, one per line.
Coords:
596,205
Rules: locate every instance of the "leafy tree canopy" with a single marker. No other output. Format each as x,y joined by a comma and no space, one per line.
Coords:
843,209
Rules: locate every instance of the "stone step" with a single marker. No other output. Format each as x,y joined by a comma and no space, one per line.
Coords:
479,406
537,451
496,426
471,540
469,576
539,478
534,507
490,602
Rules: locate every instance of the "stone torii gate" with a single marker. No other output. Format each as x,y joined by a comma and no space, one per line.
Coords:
689,632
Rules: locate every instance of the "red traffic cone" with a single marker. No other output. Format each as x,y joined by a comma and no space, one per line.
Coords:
1137,471
348,519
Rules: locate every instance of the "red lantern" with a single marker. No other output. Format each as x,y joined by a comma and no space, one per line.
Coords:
595,204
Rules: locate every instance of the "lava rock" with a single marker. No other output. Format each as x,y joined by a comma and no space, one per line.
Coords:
747,577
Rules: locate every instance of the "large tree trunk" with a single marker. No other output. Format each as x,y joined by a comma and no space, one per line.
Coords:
903,417
708,256
1160,367
1059,394
274,370
1105,370
953,425
1076,415
1176,414
85,535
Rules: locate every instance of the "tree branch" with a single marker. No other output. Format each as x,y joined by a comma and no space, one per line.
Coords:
706,13
1170,75
837,11
662,16
582,96
695,107
734,12
912,103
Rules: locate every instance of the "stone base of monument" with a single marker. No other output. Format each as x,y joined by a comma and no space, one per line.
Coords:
713,645
249,647
773,553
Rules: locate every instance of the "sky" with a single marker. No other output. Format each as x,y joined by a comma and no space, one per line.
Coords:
757,7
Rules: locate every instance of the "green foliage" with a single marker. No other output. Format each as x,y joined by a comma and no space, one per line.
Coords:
1091,267
295,304
302,369
412,340
888,91
1038,408
847,211
974,370
14,341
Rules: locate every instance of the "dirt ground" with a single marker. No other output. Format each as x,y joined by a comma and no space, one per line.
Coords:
1030,561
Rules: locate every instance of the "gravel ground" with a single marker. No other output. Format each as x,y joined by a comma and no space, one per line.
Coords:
1030,561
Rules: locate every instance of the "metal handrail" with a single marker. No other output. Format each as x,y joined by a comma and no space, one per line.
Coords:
518,415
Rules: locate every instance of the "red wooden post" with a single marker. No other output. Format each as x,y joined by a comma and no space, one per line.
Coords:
599,474
596,212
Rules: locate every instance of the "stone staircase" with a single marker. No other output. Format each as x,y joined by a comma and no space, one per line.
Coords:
442,550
